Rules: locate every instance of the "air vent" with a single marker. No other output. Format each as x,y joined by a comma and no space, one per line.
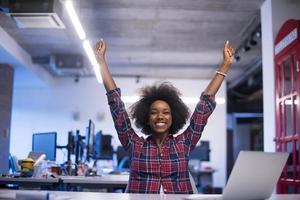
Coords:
67,65
37,20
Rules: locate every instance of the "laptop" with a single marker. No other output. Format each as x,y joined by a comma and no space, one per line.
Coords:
253,176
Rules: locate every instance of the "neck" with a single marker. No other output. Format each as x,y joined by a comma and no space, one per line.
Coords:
159,138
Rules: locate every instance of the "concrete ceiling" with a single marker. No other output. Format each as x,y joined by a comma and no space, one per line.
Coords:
169,38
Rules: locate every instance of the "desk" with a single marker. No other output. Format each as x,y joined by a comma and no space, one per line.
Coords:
31,182
109,181
56,195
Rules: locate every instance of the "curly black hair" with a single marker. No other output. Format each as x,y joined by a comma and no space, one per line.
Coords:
165,91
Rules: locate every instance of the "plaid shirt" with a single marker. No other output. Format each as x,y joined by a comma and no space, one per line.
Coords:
151,167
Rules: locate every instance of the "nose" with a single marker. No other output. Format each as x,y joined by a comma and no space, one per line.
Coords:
160,116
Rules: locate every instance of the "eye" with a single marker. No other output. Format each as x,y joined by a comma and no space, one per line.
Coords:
153,112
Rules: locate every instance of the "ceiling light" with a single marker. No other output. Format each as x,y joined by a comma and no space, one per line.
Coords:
246,47
253,42
237,57
258,34
90,53
75,21
81,34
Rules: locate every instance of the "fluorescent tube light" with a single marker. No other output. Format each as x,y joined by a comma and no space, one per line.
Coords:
90,53
74,19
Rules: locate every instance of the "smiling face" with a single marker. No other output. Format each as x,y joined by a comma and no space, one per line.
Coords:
160,117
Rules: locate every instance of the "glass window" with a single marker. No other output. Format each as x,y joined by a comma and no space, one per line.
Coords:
288,117
287,76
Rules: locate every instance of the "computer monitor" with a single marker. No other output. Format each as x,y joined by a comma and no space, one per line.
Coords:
45,143
79,147
71,144
201,152
89,139
103,147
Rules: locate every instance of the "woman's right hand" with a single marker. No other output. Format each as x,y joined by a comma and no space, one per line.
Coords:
100,49
228,53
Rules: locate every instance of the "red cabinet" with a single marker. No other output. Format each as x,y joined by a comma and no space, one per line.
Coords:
287,90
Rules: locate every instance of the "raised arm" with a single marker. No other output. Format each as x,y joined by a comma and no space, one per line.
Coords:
214,85
99,50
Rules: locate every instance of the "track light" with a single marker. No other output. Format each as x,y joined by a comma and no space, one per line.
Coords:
258,34
246,47
237,57
248,42
253,42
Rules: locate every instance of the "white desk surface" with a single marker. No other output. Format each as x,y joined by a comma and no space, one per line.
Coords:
56,195
28,180
104,179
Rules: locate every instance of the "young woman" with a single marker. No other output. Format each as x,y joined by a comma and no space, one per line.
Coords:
159,164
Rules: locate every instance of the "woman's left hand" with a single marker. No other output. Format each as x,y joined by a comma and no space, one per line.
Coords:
228,53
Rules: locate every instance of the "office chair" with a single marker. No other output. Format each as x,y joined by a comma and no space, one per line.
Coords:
194,188
13,164
124,163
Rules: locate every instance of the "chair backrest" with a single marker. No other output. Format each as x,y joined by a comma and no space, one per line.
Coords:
124,163
195,191
13,164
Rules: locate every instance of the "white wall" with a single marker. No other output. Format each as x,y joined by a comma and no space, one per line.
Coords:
42,109
273,14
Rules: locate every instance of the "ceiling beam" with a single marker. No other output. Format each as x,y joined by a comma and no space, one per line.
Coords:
13,54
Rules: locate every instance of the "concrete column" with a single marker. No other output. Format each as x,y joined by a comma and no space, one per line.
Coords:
6,91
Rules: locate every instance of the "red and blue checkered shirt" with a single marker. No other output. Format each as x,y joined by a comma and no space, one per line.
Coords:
150,167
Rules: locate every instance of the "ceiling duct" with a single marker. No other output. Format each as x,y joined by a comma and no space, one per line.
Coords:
67,65
35,13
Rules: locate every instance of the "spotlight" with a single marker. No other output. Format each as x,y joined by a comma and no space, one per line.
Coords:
237,57
258,34
246,47
253,42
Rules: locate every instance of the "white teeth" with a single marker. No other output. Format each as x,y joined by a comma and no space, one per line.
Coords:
160,123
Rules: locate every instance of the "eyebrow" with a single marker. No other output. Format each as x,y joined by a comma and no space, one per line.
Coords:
164,109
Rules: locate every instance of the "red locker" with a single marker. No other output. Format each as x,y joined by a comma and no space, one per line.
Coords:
287,90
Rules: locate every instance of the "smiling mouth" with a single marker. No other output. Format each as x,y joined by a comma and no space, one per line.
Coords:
160,124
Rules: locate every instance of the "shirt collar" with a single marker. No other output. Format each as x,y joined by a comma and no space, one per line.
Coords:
150,138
